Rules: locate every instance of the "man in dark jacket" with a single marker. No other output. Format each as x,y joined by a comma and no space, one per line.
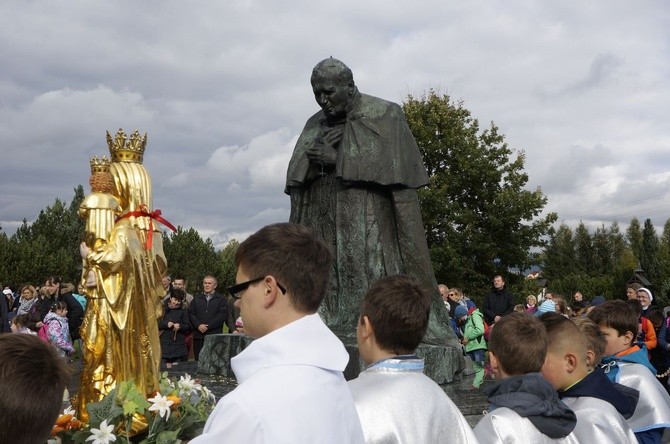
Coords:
498,303
207,313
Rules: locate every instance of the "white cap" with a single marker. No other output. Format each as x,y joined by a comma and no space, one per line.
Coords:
7,291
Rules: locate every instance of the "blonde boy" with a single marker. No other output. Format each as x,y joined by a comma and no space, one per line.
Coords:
591,395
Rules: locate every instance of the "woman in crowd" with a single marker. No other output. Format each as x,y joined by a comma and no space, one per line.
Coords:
457,298
172,329
531,304
27,298
39,309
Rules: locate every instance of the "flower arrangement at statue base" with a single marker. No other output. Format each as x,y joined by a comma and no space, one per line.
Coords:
177,412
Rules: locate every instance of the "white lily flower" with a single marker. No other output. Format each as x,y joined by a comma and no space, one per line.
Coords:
188,386
103,435
161,404
207,393
69,411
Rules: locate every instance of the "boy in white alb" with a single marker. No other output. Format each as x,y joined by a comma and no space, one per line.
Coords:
393,320
291,387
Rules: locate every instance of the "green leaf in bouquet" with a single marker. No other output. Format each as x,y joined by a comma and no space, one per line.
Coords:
107,409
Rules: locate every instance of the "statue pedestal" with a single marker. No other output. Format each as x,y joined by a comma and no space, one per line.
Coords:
443,363
216,353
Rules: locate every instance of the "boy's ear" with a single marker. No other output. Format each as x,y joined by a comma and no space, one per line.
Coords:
365,327
495,365
570,362
590,358
630,337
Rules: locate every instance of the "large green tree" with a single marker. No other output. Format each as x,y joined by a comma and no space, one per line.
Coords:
479,217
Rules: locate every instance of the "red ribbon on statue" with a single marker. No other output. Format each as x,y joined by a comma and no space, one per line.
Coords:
154,215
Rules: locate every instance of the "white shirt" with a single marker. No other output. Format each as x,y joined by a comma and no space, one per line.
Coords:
291,390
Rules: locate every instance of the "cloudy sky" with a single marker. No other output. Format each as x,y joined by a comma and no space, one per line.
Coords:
222,89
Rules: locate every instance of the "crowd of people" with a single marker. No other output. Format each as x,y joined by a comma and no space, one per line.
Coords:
583,371
607,361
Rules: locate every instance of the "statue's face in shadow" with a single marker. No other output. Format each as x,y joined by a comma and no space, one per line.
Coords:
332,96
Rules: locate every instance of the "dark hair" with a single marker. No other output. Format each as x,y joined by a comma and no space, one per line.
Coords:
617,315
21,319
519,342
56,280
655,316
398,308
635,305
33,380
177,293
59,305
294,256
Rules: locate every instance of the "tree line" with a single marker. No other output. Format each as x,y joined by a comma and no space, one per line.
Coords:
479,217
602,261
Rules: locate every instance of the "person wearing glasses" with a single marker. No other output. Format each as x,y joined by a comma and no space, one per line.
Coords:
207,313
290,382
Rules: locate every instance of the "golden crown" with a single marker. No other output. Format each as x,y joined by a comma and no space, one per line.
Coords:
99,165
129,149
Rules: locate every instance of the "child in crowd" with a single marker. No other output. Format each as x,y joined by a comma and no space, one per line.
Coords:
473,340
520,308
548,306
627,363
591,395
172,329
524,407
646,332
393,320
57,329
595,341
20,325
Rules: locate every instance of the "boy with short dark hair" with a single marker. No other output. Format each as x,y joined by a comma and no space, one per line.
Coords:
627,363
393,320
591,395
290,382
33,379
523,406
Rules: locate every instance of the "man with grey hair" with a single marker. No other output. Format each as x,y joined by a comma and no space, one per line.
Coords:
353,179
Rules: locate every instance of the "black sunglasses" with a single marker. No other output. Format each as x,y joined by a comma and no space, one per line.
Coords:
236,290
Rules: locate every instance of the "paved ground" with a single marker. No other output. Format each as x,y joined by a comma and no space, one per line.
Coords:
470,402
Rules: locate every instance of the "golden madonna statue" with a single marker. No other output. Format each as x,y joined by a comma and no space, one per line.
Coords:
123,262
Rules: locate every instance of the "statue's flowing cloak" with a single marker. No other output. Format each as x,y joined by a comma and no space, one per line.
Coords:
120,327
366,207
